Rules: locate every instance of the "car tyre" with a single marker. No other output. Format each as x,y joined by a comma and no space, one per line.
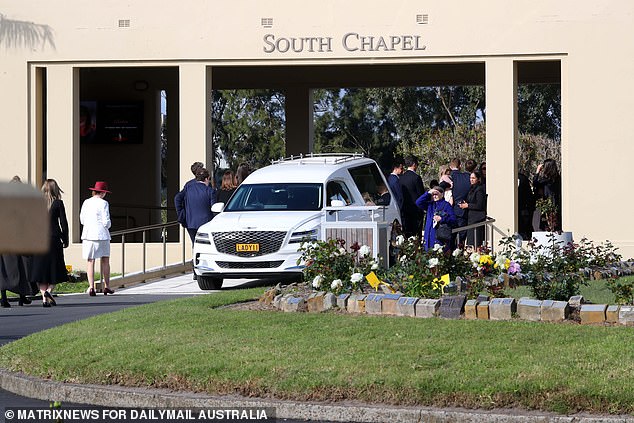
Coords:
207,283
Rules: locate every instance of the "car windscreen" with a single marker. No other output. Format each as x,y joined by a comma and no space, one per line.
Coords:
276,197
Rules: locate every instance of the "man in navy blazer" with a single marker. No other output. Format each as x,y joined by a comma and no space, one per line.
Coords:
395,185
194,202
460,189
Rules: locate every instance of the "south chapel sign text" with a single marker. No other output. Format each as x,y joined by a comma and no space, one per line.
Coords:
351,42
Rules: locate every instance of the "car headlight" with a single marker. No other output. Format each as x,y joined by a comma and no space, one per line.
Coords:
302,236
202,238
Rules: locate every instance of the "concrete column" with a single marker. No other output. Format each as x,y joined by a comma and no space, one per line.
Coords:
62,140
501,142
566,163
195,99
299,121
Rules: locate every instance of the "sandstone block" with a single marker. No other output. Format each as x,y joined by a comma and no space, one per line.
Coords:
315,302
593,313
406,306
356,303
342,301
293,303
427,307
330,301
470,310
529,309
388,304
626,315
483,310
502,308
612,313
576,301
373,303
554,311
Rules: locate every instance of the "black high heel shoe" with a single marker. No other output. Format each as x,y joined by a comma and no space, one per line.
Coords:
23,300
45,304
4,303
50,298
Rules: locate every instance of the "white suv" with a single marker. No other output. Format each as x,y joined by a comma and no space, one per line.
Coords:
257,233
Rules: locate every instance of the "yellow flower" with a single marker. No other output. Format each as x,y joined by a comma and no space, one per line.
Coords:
486,260
507,263
411,276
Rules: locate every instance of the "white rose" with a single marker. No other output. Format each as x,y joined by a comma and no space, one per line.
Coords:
475,258
500,260
364,250
317,281
437,247
356,277
342,251
456,252
403,259
375,265
336,284
400,240
433,262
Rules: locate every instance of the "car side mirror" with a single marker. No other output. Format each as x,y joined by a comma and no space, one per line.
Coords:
337,203
217,207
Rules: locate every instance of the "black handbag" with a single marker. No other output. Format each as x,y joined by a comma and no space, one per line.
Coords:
443,232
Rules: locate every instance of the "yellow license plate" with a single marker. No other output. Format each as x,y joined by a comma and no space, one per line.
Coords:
247,247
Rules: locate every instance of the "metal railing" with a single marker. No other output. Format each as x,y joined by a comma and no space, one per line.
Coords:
489,233
143,274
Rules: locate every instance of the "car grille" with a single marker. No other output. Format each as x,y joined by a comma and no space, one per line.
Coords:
249,265
269,242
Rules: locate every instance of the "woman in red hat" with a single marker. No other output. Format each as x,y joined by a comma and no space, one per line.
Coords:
95,216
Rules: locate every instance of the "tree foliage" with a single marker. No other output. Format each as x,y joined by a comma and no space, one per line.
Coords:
435,123
248,126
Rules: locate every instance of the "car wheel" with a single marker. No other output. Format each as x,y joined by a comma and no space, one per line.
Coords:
207,283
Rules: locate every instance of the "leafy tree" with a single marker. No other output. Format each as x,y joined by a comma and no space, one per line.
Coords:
248,126
352,120
539,110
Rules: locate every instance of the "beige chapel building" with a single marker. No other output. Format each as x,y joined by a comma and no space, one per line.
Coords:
112,61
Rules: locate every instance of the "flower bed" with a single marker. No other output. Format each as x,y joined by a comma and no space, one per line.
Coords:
336,273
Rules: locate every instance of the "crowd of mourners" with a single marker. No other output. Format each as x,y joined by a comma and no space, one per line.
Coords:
435,213
458,199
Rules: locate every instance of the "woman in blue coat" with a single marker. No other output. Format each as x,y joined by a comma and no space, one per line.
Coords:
438,211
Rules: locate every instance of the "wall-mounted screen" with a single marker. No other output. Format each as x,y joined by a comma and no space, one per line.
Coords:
111,122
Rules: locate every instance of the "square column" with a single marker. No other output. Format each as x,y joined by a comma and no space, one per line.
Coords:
195,101
299,121
62,139
501,142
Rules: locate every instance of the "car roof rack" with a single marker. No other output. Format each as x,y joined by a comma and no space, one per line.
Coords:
335,158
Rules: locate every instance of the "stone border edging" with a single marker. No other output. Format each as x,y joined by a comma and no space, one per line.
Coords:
125,397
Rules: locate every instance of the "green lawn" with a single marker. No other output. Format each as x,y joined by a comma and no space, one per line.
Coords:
191,344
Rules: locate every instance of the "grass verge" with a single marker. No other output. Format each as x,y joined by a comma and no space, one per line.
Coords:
195,344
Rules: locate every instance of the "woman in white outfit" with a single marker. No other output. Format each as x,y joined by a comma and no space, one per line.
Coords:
95,216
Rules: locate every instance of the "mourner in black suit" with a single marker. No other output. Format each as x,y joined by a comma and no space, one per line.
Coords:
459,190
475,209
412,187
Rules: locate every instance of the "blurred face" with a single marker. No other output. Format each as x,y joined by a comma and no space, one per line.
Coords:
436,195
473,179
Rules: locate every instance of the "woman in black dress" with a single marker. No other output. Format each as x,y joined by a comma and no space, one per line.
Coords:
50,268
227,187
475,207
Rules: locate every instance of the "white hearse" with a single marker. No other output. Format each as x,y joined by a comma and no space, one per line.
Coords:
257,233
